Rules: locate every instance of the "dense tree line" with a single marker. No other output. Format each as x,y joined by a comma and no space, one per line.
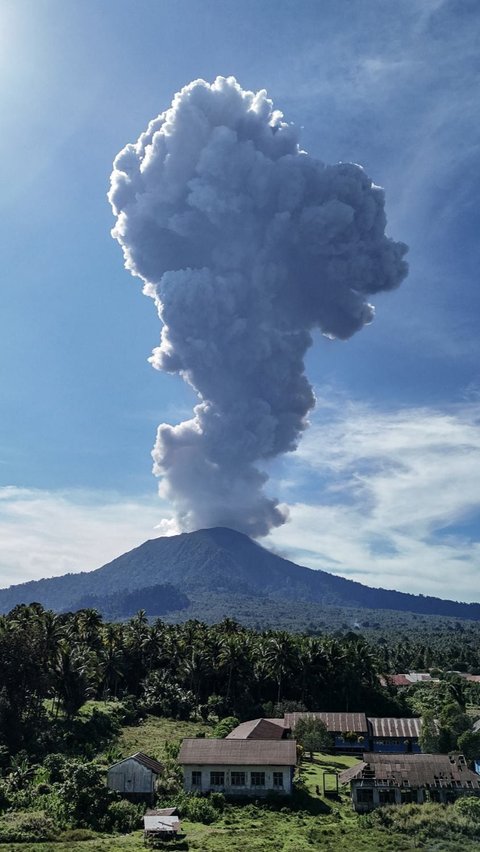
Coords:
56,662
51,664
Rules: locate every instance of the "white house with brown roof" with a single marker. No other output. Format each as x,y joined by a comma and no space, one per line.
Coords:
238,767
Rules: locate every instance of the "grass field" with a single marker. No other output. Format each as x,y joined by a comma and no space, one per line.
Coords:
151,735
307,823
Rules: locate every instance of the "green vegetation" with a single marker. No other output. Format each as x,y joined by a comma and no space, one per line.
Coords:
77,693
312,735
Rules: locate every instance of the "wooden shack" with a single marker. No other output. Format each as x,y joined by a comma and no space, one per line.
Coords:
135,777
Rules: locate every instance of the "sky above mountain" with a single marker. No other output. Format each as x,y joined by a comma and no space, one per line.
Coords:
383,487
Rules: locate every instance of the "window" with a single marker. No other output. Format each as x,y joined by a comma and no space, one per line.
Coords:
258,779
408,796
278,779
237,779
365,797
386,797
196,779
217,779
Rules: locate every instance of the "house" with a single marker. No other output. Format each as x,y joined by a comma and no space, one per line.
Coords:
350,731
238,767
135,777
392,735
407,679
381,780
259,729
162,824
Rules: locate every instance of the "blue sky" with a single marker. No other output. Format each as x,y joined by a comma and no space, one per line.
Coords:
384,486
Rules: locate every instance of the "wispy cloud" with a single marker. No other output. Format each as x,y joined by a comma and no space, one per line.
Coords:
48,533
395,497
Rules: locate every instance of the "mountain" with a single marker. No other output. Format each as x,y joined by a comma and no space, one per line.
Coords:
218,565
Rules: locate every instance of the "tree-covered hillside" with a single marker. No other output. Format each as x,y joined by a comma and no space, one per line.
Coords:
214,565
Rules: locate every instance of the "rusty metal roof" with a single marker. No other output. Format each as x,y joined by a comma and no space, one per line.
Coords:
161,812
238,752
412,770
144,759
399,728
258,729
335,722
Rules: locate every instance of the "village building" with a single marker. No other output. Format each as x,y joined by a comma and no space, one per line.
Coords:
350,731
381,780
238,767
259,729
354,732
161,824
135,776
391,735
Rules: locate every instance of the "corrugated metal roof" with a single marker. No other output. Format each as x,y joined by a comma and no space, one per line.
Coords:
169,824
335,722
144,759
238,752
258,729
161,812
390,727
413,770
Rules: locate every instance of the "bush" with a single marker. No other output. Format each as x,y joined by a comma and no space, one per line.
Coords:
426,822
27,828
199,810
225,726
469,806
75,835
84,799
124,817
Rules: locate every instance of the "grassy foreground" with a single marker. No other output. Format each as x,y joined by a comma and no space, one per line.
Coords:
307,823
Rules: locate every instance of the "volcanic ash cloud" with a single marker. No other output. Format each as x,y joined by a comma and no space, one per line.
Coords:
245,243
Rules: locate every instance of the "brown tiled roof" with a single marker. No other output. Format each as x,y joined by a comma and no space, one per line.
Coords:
238,752
258,729
335,722
413,770
395,727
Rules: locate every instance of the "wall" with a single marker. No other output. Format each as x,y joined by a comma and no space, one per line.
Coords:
129,776
248,790
395,746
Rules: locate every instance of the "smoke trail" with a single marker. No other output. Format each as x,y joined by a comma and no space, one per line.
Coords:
246,243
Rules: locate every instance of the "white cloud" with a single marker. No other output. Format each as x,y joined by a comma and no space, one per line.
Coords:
49,533
386,497
399,498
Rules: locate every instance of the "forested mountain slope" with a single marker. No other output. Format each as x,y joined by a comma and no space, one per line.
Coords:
219,562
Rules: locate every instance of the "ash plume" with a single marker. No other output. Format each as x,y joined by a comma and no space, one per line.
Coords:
246,244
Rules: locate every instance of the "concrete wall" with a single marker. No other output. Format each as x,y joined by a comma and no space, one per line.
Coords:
393,746
227,787
129,776
404,795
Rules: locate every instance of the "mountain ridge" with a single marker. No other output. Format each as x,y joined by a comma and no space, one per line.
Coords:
220,561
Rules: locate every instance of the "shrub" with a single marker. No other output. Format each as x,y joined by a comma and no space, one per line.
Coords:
75,835
469,806
83,796
225,726
123,817
27,828
199,810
